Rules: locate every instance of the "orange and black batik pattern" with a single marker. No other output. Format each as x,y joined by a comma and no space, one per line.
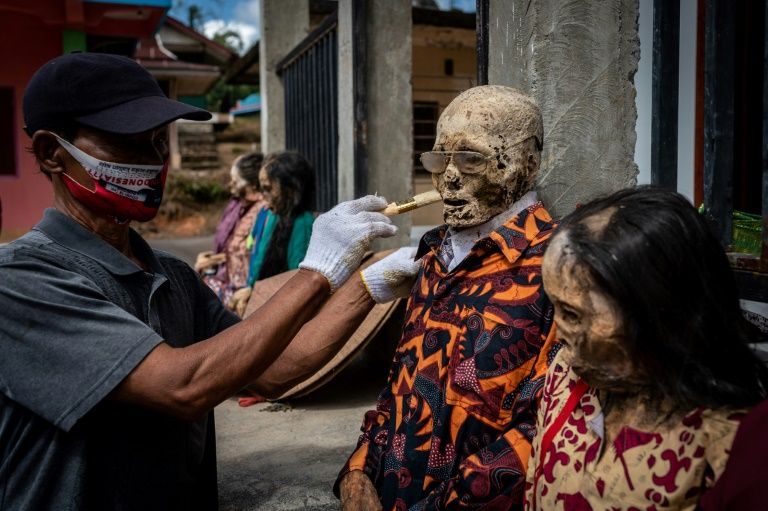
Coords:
453,427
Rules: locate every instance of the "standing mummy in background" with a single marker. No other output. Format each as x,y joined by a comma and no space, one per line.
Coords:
641,405
225,269
453,427
281,232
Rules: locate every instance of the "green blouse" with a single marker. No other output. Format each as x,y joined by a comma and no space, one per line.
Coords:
297,244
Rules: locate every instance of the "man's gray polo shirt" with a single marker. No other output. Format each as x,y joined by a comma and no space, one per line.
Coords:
77,317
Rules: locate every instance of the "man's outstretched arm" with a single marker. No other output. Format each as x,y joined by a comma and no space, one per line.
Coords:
318,341
187,382
321,338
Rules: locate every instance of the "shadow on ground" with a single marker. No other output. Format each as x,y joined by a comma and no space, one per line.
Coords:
288,459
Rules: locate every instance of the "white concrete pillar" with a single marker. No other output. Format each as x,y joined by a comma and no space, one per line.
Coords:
578,60
389,106
346,103
173,130
284,23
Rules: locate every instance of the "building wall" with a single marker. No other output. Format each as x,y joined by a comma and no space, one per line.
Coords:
33,33
578,60
27,192
686,119
686,100
643,86
432,47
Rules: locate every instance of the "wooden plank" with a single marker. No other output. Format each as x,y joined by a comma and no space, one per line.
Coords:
718,116
482,8
359,65
665,89
764,253
752,285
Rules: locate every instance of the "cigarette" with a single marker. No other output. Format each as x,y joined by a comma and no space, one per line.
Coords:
415,202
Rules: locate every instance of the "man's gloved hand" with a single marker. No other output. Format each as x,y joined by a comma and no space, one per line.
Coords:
341,237
358,493
392,277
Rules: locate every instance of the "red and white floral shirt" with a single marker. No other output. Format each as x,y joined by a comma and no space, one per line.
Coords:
668,468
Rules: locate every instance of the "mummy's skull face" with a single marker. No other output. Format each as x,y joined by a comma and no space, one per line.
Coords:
504,126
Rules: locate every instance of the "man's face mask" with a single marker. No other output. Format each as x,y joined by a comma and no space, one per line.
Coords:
122,192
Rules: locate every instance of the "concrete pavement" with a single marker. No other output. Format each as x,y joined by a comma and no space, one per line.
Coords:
288,460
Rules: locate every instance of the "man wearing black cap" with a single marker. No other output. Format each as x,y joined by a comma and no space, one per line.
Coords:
113,354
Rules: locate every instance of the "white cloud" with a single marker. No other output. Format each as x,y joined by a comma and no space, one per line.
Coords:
248,32
248,11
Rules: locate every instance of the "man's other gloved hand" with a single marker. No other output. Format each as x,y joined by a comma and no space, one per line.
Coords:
358,493
392,277
341,237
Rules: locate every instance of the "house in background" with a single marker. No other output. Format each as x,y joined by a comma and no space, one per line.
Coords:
35,32
443,63
185,63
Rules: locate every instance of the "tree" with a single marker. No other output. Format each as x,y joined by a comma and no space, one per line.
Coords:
222,96
230,38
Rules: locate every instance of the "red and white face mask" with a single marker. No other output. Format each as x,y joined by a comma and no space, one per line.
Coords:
122,192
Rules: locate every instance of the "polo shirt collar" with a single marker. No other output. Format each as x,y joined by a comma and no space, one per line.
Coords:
513,237
68,233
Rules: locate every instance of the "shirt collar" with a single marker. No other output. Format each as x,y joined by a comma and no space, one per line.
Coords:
67,232
513,236
462,241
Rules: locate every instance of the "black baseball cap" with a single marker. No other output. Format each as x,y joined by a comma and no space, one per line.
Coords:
107,92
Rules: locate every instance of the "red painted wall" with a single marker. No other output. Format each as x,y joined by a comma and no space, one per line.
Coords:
31,36
28,43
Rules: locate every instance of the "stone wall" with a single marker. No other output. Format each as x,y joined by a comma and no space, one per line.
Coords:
578,59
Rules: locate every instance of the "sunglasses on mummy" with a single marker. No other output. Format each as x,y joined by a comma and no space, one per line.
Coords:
467,162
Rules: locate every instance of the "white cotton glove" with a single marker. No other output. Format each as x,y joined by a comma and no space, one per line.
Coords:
393,276
341,237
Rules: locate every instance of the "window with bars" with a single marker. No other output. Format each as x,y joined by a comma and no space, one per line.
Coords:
425,115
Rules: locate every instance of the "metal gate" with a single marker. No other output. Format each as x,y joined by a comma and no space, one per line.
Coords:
310,81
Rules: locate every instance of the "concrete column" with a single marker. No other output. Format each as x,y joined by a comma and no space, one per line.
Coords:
346,103
173,129
578,59
390,107
284,23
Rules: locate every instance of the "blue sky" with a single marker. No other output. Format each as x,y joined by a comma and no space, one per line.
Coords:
243,15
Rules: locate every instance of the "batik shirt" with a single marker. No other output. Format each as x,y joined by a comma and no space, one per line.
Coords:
453,427
666,468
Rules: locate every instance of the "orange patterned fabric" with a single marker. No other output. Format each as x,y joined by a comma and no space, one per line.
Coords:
453,427
667,468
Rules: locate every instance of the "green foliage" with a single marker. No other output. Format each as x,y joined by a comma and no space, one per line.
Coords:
199,192
223,96
231,39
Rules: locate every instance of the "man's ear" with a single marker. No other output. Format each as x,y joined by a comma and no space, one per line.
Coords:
48,152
